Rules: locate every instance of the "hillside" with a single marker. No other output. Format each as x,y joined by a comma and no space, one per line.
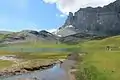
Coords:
27,36
100,62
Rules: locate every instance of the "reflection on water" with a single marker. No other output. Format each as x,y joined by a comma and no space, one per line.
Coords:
55,73
40,49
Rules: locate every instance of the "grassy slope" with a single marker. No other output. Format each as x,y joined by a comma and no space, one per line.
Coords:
1,36
99,63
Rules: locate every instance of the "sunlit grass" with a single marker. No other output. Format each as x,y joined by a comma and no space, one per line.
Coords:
31,59
39,44
5,64
106,63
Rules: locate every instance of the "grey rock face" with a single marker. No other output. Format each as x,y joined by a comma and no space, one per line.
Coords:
98,21
79,37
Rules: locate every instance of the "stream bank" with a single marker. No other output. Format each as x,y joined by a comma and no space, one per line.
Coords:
58,70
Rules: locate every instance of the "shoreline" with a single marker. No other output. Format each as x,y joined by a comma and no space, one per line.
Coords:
22,70
42,68
67,64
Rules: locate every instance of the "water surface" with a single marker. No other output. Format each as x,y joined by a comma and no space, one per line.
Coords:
39,49
58,72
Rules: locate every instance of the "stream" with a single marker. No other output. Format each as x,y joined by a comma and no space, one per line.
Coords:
58,72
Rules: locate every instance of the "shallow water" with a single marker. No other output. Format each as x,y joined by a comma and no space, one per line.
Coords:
39,49
55,73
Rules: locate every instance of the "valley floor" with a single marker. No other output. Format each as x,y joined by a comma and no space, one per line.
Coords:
99,59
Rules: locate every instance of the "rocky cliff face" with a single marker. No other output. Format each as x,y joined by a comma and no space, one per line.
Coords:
101,21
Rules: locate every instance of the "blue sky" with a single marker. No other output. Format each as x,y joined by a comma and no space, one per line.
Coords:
17,15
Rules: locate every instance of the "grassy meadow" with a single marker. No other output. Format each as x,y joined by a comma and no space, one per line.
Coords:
100,63
30,52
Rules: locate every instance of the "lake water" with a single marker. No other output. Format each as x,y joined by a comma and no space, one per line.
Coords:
58,72
39,49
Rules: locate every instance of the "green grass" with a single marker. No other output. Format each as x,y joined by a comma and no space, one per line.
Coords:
30,56
11,49
39,44
99,63
5,64
1,36
34,55
31,59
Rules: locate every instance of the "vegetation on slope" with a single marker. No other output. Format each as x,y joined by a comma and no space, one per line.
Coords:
100,63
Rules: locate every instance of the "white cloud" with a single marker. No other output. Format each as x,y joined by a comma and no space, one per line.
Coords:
50,1
60,15
52,30
66,6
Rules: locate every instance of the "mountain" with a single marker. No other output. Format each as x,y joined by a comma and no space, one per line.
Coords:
80,37
28,35
5,32
100,21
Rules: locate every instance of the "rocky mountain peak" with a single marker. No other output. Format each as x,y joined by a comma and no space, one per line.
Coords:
99,21
69,19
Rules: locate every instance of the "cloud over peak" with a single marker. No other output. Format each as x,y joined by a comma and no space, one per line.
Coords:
66,6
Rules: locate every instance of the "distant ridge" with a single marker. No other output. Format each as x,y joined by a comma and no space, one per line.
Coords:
27,35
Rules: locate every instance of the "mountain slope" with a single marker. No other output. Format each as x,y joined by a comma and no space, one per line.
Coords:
100,63
101,21
28,35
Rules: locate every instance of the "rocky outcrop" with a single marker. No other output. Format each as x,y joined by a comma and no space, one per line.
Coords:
79,37
47,35
101,21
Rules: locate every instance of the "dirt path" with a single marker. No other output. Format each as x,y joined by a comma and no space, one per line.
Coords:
67,65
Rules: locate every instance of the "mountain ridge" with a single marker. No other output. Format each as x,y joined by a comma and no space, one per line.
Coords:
28,35
101,21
